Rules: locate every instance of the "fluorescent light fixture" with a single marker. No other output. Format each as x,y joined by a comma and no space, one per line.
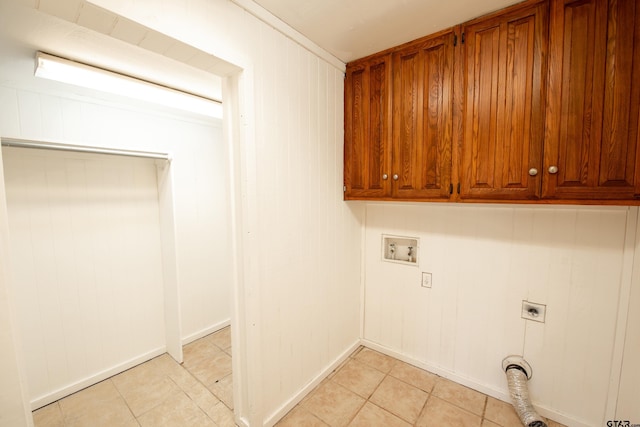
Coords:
75,73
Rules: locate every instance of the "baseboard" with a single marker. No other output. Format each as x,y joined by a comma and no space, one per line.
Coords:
58,394
241,422
297,398
473,384
206,331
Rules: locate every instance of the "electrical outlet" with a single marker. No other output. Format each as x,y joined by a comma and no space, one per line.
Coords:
534,311
426,279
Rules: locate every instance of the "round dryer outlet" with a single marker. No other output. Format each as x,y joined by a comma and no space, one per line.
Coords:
519,362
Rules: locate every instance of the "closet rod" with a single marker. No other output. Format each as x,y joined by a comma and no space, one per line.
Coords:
83,149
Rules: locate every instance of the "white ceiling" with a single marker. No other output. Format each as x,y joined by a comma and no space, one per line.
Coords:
352,29
76,29
79,31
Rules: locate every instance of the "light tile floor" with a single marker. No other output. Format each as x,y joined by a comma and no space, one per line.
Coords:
372,389
157,393
368,390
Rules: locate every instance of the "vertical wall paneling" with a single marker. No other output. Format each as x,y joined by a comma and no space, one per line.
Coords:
624,302
85,251
9,120
172,324
310,309
276,277
485,260
574,349
198,205
202,234
280,249
241,333
277,280
13,394
627,405
200,177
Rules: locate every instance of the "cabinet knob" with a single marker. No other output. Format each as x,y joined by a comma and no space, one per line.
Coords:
553,169
385,176
395,177
533,171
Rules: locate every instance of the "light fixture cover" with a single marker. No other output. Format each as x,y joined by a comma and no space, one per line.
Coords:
75,73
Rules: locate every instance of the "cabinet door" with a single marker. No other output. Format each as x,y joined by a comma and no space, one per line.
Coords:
367,142
591,148
422,119
503,106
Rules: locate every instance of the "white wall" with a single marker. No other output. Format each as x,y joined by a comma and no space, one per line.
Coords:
200,191
485,260
14,401
199,170
628,407
309,253
200,188
203,246
87,266
301,243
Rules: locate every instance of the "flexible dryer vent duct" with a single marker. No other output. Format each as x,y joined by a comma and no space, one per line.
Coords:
518,373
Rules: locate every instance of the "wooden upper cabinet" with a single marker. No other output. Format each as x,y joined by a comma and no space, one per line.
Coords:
538,102
423,118
367,144
503,105
399,146
593,102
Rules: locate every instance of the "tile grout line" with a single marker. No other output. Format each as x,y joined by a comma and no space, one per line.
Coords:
186,393
429,393
182,366
424,407
165,374
121,395
357,412
484,409
479,418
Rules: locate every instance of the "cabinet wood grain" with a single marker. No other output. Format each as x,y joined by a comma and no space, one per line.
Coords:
367,150
536,103
422,119
504,104
593,101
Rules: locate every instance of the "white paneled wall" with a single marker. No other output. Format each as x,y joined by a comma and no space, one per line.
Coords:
86,261
199,173
310,246
627,407
302,244
203,246
200,189
15,409
485,260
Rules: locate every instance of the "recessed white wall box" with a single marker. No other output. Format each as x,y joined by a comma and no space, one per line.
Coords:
533,311
400,249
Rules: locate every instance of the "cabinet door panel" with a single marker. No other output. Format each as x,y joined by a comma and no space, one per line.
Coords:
592,113
622,97
422,129
437,117
520,138
367,130
482,122
504,105
407,119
